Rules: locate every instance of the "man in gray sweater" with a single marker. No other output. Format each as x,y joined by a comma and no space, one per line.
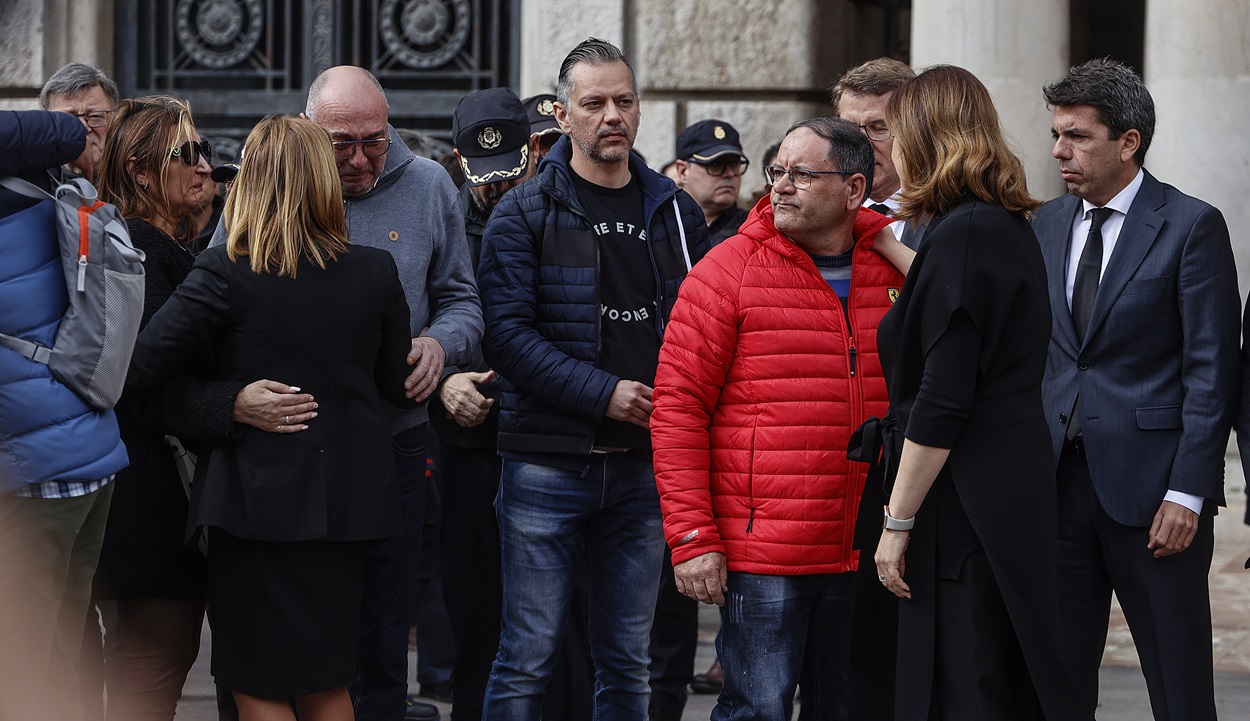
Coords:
408,206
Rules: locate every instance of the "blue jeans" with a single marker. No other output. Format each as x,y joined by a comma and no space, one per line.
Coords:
390,592
548,518
767,624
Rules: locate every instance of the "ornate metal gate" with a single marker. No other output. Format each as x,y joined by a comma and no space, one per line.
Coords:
238,60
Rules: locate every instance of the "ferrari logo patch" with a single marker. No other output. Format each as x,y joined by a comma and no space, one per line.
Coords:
893,294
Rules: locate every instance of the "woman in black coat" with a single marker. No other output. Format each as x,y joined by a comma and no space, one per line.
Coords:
153,167
290,515
969,527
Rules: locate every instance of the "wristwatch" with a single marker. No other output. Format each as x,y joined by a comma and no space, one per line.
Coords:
890,523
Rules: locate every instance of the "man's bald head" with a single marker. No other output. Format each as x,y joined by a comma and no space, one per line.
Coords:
348,102
344,85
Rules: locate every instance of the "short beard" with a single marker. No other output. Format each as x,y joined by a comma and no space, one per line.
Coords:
592,151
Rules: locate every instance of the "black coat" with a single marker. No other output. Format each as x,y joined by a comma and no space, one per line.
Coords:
145,553
340,333
979,270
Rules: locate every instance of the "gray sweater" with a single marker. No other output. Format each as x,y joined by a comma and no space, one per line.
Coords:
414,213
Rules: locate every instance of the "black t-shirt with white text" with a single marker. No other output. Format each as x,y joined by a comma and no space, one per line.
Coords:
630,342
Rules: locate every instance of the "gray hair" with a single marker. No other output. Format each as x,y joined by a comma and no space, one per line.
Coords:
595,52
1116,92
320,83
849,148
875,77
75,78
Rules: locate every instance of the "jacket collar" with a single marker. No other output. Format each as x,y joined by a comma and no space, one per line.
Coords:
555,179
759,227
1141,227
397,158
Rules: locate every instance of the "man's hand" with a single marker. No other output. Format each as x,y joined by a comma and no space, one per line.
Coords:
631,402
426,358
464,403
704,578
1173,529
274,407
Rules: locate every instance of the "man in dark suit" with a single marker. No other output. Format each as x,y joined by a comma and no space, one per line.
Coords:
1141,381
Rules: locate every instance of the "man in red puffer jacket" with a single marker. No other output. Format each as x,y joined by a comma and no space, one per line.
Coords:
768,364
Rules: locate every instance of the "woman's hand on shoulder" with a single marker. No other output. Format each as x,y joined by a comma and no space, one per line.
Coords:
893,250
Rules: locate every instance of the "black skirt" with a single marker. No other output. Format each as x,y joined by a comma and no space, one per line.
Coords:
284,615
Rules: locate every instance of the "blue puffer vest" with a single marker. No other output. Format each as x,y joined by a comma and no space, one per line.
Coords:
539,284
47,433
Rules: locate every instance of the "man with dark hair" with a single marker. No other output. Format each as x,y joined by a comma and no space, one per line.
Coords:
1141,384
580,267
768,365
710,164
860,96
89,94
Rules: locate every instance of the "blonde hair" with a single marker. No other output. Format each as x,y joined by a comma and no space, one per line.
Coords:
286,201
145,130
947,130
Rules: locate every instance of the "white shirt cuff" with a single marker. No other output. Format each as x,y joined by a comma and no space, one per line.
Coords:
1188,500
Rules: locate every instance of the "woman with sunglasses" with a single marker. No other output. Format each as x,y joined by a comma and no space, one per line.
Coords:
153,168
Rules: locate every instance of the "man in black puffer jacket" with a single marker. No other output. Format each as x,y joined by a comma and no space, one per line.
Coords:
580,267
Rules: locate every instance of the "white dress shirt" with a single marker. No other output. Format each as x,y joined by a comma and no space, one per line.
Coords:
892,203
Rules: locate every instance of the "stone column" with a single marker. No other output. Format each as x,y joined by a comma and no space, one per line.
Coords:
1014,48
551,28
39,36
1198,70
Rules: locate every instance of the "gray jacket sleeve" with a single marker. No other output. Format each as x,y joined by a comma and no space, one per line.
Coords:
455,311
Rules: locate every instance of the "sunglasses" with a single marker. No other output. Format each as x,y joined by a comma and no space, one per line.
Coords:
190,152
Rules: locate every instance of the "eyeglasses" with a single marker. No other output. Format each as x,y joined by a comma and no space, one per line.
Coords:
190,152
877,131
372,147
800,178
94,118
725,166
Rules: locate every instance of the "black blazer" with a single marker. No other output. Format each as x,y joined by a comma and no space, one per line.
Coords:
340,333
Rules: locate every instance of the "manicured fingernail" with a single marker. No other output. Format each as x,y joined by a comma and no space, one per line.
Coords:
314,414
295,389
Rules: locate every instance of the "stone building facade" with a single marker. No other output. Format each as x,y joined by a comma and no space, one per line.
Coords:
760,64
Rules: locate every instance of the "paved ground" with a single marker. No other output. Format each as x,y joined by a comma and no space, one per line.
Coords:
1123,690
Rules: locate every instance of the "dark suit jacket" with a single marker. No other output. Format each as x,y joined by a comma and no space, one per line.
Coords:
1158,372
340,333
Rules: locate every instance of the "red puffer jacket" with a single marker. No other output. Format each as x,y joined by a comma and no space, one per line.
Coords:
760,384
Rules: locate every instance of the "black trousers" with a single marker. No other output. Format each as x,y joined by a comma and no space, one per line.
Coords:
674,643
474,594
1166,601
